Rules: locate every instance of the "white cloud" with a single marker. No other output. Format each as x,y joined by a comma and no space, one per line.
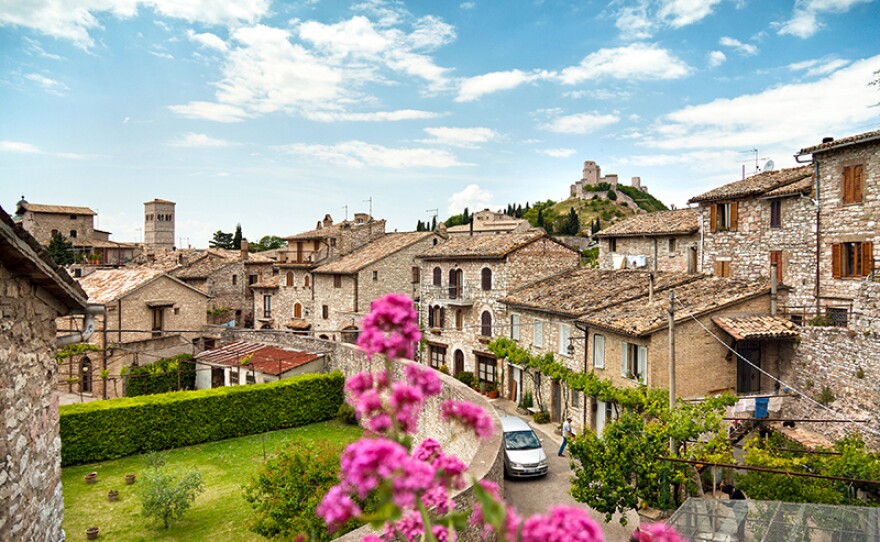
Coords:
473,197
473,88
745,49
557,153
74,19
804,22
818,66
716,58
795,115
374,116
640,19
459,137
679,13
206,39
191,139
638,61
359,154
26,148
467,5
47,84
34,47
210,111
160,54
580,123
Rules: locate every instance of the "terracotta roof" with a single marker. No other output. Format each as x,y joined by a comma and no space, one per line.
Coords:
373,252
209,263
166,260
106,285
266,358
581,291
100,243
757,327
756,184
677,222
333,229
709,293
860,138
56,209
804,186
482,246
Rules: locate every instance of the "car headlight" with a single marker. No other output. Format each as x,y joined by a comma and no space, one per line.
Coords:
542,463
516,465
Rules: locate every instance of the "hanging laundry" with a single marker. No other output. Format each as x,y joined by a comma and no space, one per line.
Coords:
618,261
775,404
761,404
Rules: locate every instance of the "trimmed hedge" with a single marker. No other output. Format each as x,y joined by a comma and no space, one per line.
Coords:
161,376
119,427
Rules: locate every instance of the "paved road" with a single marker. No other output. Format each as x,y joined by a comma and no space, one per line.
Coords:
536,495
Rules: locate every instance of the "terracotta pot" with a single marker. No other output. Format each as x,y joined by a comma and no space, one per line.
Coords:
113,495
493,394
92,533
129,479
91,477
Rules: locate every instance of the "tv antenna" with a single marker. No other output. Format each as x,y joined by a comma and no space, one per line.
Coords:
346,211
370,200
770,165
757,169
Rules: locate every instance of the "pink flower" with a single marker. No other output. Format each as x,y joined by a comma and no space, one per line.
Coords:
391,328
416,477
371,538
428,450
406,403
511,518
423,378
410,526
451,471
365,463
337,508
469,415
562,524
656,532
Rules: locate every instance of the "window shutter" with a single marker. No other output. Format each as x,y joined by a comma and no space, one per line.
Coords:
733,216
857,183
624,349
430,316
713,218
847,184
442,317
867,258
643,364
836,260
719,268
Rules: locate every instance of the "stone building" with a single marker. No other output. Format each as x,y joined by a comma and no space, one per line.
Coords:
661,241
462,283
33,293
159,220
290,284
487,221
592,177
344,289
241,363
763,219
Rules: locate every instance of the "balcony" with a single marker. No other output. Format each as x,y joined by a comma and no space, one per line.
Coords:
453,296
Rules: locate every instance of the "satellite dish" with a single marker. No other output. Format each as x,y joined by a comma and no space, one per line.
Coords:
769,165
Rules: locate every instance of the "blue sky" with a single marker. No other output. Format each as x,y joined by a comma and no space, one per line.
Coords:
273,113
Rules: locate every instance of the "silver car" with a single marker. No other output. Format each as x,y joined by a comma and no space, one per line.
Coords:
523,455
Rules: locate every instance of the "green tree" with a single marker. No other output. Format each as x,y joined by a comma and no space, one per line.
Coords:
267,242
166,495
434,223
221,240
61,250
571,224
612,195
236,239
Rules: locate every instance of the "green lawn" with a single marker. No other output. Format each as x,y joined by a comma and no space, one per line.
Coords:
218,514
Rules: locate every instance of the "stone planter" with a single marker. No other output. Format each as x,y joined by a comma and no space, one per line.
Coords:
92,533
91,477
113,495
129,479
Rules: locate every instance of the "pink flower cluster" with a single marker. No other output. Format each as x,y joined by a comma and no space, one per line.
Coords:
469,415
562,524
391,328
382,406
656,532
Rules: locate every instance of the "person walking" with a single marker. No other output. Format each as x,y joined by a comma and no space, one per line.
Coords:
566,434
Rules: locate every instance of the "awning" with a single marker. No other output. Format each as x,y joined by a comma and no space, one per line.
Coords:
757,328
157,303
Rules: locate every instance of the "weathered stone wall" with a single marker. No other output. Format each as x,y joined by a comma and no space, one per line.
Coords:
846,362
31,503
340,304
675,260
40,225
748,248
537,260
854,222
866,308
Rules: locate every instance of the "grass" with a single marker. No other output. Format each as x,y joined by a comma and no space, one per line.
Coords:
220,513
606,211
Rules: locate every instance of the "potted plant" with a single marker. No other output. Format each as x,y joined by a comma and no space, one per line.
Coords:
129,478
92,533
113,495
492,390
91,477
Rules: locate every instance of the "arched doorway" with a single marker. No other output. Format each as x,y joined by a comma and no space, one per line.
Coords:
459,363
350,334
85,375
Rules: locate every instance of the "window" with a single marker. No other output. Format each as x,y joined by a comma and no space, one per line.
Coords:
54,233
332,241
486,324
671,245
375,275
73,217
564,339
723,216
575,399
436,316
776,258
455,283
252,279
514,327
416,275
325,312
337,281
722,268
250,377
437,356
176,311
459,320
598,351
158,320
289,279
234,280
73,234
307,281
852,184
486,369
612,244
538,338
853,259
634,362
776,213
438,277
486,277
297,310
267,306
459,363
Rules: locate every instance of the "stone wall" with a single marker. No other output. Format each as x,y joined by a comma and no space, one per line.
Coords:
31,503
675,260
846,362
40,225
866,308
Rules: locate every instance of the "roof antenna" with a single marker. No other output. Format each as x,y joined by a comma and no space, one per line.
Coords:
757,169
346,212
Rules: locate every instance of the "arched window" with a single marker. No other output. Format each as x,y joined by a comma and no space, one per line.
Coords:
290,278
85,375
487,278
430,316
459,320
438,277
455,283
459,363
297,311
306,281
486,324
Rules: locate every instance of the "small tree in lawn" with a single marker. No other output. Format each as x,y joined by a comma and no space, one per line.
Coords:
167,495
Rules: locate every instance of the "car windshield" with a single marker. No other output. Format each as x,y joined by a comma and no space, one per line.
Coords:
521,440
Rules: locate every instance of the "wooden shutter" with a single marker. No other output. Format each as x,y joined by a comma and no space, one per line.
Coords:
733,216
776,258
430,316
643,364
836,260
624,350
867,258
442,317
713,218
857,184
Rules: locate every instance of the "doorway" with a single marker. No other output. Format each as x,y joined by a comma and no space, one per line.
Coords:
556,400
458,367
217,380
748,377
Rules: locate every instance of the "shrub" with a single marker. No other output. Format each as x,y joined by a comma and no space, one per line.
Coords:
167,495
120,427
821,320
466,378
542,416
347,414
161,376
527,400
612,195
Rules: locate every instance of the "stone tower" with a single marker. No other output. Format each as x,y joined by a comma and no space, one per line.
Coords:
159,224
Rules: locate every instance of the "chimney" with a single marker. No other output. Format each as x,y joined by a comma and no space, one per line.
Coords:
245,250
827,139
472,226
328,221
650,287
